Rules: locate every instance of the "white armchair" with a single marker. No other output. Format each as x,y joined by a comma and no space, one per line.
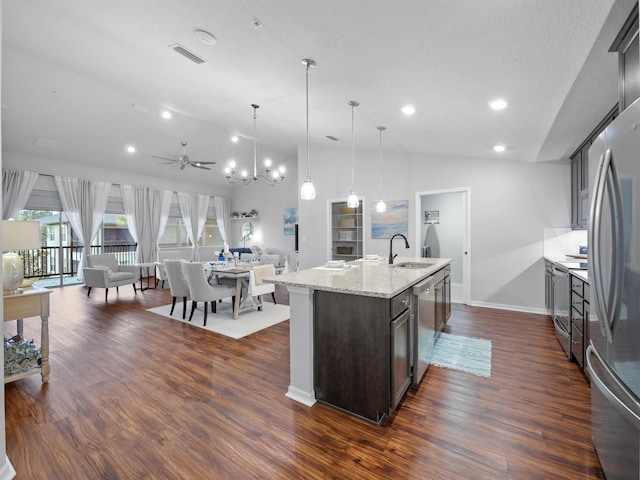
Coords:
103,271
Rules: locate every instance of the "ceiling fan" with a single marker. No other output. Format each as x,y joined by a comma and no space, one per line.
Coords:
183,160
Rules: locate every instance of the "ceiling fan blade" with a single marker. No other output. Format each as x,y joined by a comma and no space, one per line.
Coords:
165,158
163,163
203,163
199,166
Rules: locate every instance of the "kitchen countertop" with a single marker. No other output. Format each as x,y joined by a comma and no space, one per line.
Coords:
363,277
566,261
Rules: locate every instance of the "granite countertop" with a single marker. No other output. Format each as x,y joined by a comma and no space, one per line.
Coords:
566,262
370,278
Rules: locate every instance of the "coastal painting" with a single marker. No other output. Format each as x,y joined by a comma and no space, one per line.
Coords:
394,220
290,220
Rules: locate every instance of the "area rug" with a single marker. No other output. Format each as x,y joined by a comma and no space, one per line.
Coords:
222,321
465,354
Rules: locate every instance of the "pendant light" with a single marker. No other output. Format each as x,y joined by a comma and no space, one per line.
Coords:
308,191
352,199
381,207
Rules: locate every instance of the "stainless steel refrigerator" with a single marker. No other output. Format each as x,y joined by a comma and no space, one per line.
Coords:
613,355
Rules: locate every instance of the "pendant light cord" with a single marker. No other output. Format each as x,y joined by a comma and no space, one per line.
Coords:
255,144
307,89
380,129
353,104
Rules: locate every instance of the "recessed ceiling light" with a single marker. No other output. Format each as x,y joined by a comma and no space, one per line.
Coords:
408,109
499,104
131,149
205,37
499,148
166,114
234,138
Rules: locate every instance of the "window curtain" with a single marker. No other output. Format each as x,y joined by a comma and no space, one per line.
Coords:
16,188
147,210
84,202
223,212
193,208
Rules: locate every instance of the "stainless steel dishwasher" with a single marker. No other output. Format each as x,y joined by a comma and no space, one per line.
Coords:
425,327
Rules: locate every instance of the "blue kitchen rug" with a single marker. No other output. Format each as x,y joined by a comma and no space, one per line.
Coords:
465,354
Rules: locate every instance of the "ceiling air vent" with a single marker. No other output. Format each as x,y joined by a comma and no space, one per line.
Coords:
186,53
332,138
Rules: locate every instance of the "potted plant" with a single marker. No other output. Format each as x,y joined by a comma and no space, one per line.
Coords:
235,214
253,212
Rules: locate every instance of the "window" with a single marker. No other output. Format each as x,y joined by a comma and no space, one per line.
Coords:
175,234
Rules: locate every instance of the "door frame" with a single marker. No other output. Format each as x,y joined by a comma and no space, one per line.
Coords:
466,247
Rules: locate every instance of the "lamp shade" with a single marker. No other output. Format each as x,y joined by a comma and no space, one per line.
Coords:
17,235
20,235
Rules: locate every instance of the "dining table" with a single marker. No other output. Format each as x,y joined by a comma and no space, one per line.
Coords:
240,272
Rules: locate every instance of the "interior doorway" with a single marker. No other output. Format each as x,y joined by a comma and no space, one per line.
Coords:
443,229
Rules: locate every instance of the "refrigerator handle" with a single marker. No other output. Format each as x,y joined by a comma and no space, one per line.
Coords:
618,403
617,227
595,215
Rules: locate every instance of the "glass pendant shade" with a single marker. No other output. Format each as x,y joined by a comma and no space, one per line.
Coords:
308,191
381,207
352,200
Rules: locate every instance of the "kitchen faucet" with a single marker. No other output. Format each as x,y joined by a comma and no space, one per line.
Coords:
391,255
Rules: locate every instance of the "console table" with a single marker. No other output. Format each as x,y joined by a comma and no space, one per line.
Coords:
33,302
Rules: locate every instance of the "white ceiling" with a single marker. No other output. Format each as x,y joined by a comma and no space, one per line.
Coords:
71,70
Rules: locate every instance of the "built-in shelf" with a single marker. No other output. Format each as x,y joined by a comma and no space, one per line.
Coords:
347,239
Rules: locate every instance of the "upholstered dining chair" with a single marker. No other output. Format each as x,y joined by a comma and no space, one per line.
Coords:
257,287
201,291
177,284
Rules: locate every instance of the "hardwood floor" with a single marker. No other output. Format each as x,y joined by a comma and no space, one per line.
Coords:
135,395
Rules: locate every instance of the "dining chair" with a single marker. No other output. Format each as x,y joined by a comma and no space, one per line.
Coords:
177,284
257,287
201,291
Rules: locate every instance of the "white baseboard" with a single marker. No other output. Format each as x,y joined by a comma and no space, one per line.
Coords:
7,472
515,308
301,396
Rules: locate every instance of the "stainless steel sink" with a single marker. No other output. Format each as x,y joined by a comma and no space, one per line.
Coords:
412,265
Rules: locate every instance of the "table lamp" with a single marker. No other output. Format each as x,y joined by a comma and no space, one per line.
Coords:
17,235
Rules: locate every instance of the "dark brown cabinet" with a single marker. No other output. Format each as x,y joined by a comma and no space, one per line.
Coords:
443,297
361,352
580,175
579,319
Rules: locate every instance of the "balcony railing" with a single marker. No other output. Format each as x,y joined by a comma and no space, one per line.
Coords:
46,261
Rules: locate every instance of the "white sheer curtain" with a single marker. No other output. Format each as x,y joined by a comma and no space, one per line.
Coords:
147,210
193,208
84,202
16,188
223,211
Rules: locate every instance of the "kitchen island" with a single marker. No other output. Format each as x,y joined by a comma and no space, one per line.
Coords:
337,315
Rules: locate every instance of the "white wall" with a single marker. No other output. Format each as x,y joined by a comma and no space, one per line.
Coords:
511,205
449,230
331,174
270,203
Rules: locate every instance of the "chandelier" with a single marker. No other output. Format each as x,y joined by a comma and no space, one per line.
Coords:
269,177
